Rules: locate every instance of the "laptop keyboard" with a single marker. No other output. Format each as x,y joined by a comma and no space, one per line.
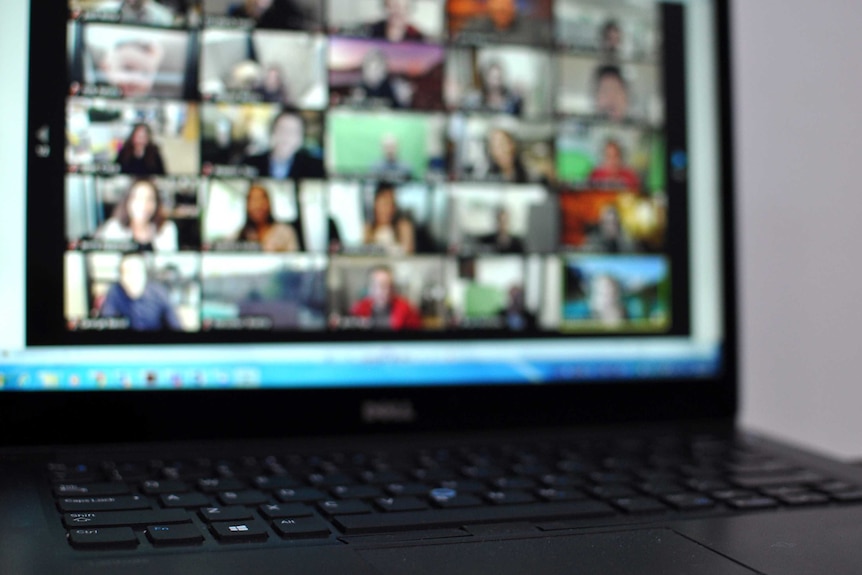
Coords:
452,491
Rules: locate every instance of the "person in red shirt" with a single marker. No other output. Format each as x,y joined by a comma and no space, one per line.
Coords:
383,306
613,173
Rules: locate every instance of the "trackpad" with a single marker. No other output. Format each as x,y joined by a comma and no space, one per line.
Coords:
621,553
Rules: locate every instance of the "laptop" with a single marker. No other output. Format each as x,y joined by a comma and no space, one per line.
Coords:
383,287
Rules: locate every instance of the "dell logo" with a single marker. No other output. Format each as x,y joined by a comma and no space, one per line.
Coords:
388,411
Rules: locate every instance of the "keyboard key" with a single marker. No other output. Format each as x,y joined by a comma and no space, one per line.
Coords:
118,503
552,494
777,480
74,473
659,487
434,518
410,488
848,496
356,491
463,485
301,528
689,501
508,483
125,518
753,503
406,503
274,482
382,477
163,486
609,477
184,500
300,495
799,499
563,481
329,479
234,513
247,497
725,494
612,491
187,471
343,507
185,534
436,474
103,538
131,472
455,500
239,532
216,484
280,511
509,497
835,486
91,489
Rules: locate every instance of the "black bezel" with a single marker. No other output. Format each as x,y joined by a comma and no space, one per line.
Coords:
74,417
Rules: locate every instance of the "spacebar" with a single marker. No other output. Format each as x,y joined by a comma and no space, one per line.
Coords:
379,522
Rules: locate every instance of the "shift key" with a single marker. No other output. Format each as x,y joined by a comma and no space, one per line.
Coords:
126,518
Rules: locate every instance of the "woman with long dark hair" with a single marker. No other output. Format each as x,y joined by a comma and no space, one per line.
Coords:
260,225
139,155
389,228
140,218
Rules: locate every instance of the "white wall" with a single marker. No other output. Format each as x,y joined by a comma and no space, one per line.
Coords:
13,103
799,127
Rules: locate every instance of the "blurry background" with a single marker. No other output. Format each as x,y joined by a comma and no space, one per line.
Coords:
799,151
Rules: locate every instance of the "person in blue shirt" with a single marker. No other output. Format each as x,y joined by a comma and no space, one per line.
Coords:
144,303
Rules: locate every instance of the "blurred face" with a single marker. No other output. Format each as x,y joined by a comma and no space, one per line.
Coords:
397,10
502,221
140,137
384,207
142,203
494,78
604,299
610,222
287,136
258,206
133,276
380,288
390,149
502,148
611,97
255,8
272,79
502,12
132,67
612,39
374,69
613,158
516,297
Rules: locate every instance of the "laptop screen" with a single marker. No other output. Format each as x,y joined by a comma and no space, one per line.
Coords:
299,194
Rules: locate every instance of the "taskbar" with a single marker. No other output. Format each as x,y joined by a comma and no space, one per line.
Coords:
344,375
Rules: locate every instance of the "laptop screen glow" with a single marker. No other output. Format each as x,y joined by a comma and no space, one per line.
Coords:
344,194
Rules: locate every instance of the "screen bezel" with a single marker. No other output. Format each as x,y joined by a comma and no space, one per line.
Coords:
30,418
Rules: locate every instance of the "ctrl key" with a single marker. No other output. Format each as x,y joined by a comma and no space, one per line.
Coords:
103,538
